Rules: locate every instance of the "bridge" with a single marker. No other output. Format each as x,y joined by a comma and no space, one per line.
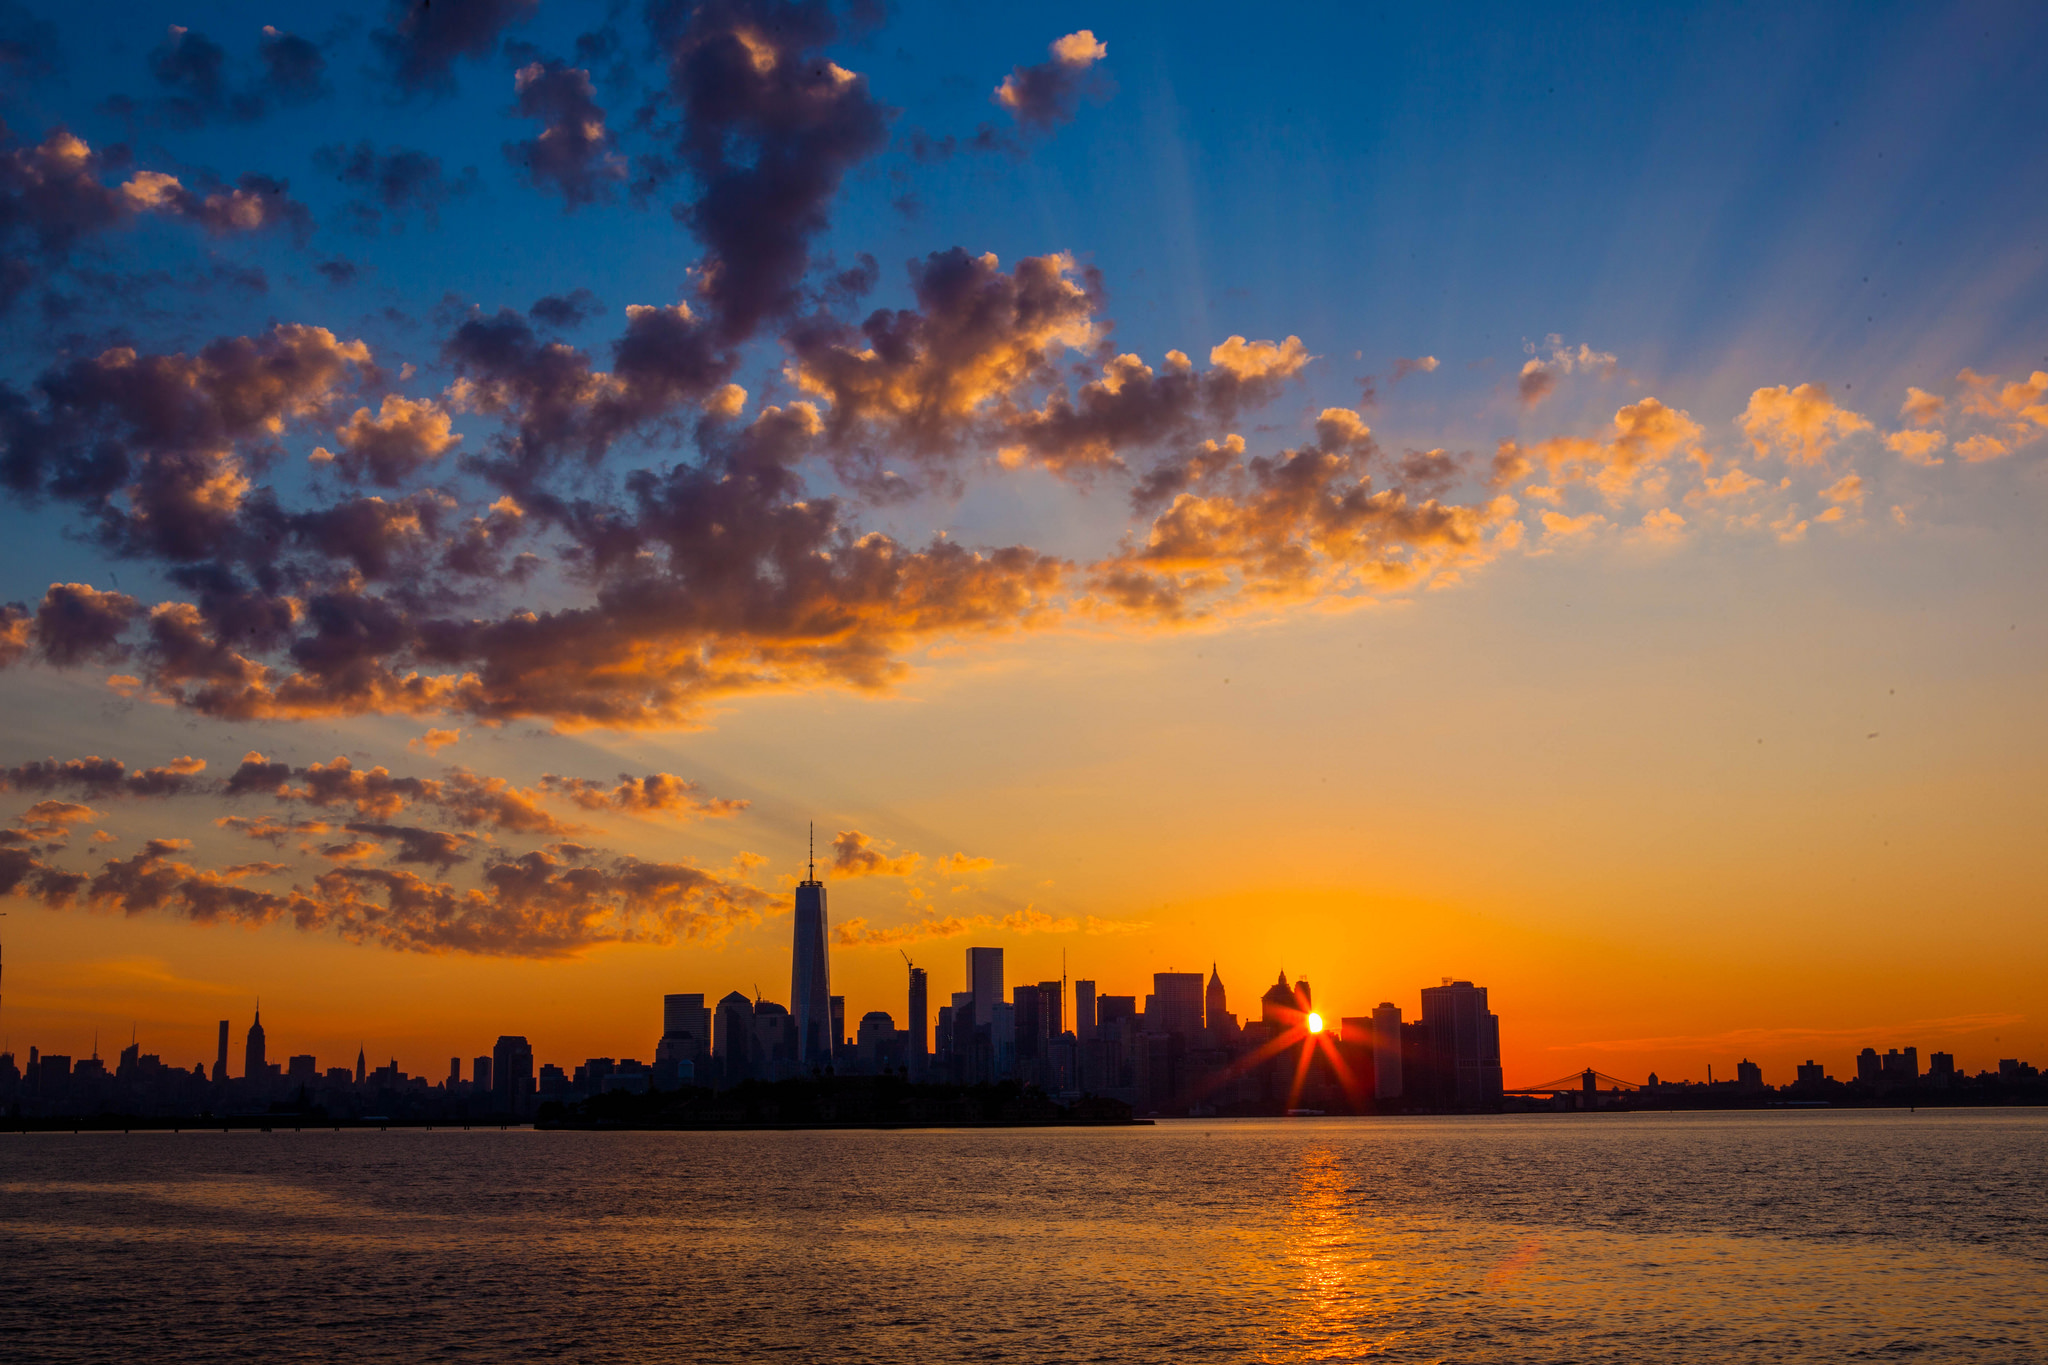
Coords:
1585,1082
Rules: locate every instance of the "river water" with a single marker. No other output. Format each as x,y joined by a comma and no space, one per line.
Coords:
1808,1236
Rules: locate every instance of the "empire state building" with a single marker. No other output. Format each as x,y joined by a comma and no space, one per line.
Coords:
810,971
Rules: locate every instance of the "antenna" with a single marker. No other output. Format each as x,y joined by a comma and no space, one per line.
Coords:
814,850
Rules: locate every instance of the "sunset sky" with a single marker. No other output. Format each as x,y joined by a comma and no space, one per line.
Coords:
1554,501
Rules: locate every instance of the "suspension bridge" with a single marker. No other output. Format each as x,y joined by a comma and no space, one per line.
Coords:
1585,1082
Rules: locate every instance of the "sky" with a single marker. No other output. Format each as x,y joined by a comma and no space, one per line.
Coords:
1372,494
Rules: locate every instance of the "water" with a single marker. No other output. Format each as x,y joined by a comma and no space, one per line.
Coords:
1740,1237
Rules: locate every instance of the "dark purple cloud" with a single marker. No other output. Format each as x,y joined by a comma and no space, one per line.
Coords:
769,127
573,155
422,41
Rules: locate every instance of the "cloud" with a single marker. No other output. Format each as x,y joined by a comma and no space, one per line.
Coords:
574,154
1644,434
1986,396
1801,424
768,128
964,368
421,42
1976,449
398,180
77,623
1561,529
433,741
651,794
1921,408
856,855
101,778
1663,524
402,438
192,70
1540,373
538,905
1046,94
1848,489
954,864
1302,524
1916,447
253,203
1407,365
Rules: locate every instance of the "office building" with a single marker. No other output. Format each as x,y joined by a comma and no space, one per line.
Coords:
1749,1075
1869,1066
984,982
1901,1067
512,1075
732,1038
1054,993
839,1039
253,1066
1466,1037
810,977
1811,1073
685,1029
1386,1051
920,1041
1277,1006
1084,1010
1215,1005
1175,1005
480,1075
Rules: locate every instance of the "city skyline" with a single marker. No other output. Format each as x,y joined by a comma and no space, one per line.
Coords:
1393,495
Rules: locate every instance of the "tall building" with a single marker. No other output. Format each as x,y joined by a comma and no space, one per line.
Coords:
220,1059
1386,1051
1028,1011
685,1029
1812,1073
920,1041
1214,1006
838,1022
1749,1075
480,1075
1869,1066
985,980
360,1072
1466,1036
732,1038
1055,994
1175,1005
512,1075
810,976
253,1066
1277,1006
1084,1010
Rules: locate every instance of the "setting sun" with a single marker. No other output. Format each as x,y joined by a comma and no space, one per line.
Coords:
1315,1023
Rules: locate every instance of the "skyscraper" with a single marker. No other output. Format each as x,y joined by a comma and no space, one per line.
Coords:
512,1074
985,981
1386,1051
810,983
1054,1007
732,1038
920,1041
1084,1010
360,1072
1175,1005
220,1060
1214,1005
253,1067
1466,1037
685,1029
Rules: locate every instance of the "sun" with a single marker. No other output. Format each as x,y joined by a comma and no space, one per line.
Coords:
1315,1023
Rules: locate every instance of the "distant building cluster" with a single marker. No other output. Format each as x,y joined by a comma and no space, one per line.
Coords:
1181,1051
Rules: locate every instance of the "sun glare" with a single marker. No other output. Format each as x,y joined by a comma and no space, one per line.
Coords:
1315,1023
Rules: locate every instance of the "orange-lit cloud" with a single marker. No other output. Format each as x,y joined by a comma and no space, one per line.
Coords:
1801,424
856,855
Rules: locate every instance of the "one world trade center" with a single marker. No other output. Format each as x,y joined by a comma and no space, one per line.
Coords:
810,973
